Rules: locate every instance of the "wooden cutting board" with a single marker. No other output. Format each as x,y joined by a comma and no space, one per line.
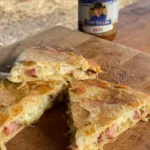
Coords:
134,26
121,64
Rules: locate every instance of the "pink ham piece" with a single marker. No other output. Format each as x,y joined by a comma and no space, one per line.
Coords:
137,115
32,72
90,72
111,132
11,128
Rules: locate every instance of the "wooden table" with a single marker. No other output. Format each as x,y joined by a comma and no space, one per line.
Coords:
134,26
125,64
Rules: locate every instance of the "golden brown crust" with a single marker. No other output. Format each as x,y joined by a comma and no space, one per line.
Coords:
100,84
28,63
16,110
6,98
93,65
100,110
51,55
81,121
103,101
52,63
79,90
23,104
18,95
3,117
121,86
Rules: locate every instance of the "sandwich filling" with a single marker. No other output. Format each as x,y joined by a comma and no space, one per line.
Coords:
100,137
47,63
31,114
24,106
99,111
45,72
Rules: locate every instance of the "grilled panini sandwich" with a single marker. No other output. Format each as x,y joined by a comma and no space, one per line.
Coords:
22,105
100,111
44,64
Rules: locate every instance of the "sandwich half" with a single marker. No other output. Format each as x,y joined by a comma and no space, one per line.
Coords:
46,63
100,111
22,105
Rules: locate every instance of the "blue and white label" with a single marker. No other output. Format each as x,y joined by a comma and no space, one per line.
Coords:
98,16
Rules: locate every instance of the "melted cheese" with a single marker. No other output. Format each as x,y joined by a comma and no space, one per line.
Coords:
90,142
47,71
65,69
2,146
33,110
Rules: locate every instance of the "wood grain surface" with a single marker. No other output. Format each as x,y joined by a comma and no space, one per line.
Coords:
134,26
120,63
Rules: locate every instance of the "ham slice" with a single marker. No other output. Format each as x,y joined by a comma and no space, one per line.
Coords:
32,72
137,115
111,132
90,72
11,128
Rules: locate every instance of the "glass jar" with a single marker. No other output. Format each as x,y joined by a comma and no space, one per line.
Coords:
98,18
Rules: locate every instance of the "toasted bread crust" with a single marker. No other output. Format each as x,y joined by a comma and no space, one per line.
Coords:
67,65
109,98
21,96
99,106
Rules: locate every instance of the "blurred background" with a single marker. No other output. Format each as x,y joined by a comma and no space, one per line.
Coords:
22,18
